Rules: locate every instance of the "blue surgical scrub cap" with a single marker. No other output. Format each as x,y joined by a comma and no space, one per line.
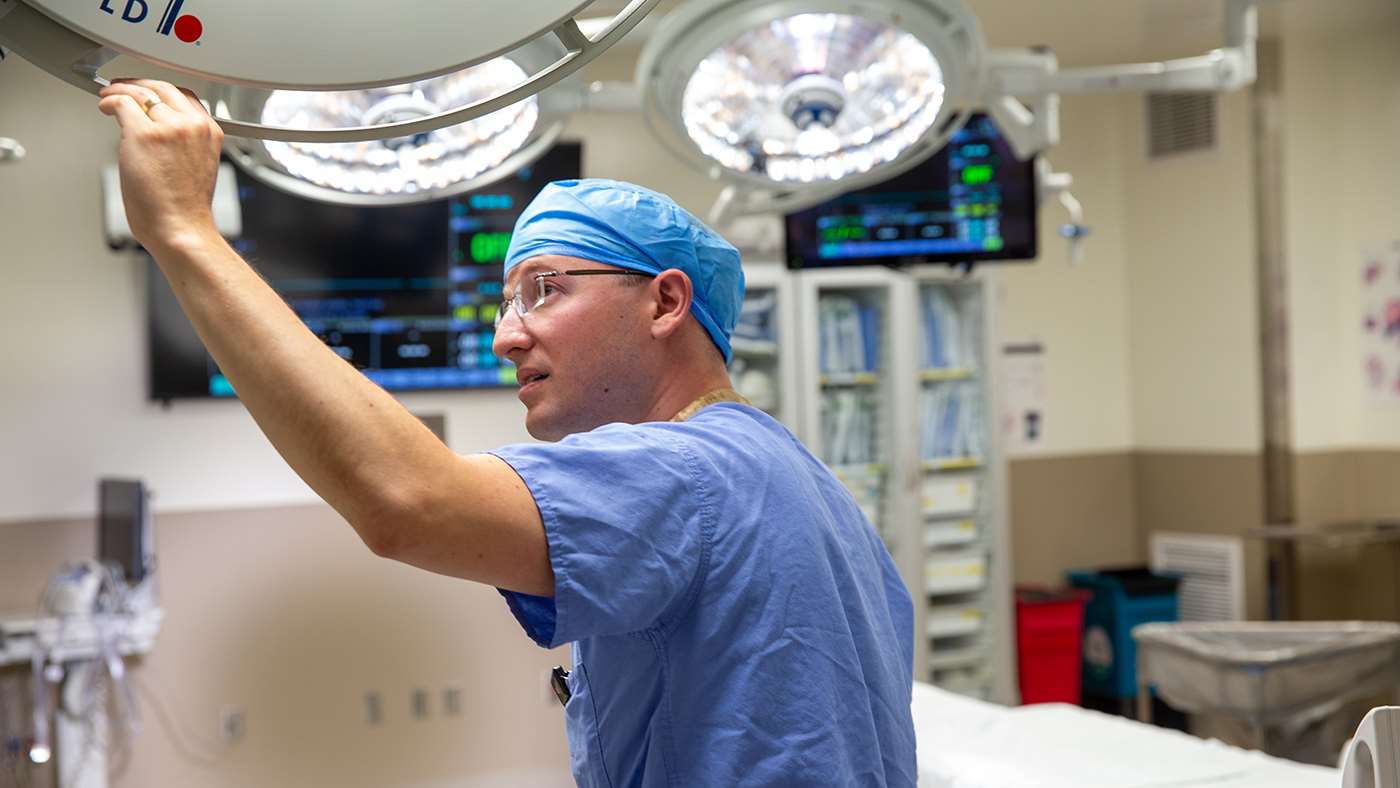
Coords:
625,225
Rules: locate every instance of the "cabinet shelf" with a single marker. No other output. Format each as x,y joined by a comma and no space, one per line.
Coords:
949,373
957,657
754,348
850,379
957,585
858,473
955,573
944,496
956,533
954,621
951,464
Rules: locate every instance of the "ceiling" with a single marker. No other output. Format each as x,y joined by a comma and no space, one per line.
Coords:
1097,32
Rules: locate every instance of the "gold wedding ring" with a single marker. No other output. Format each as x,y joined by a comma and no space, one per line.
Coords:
150,102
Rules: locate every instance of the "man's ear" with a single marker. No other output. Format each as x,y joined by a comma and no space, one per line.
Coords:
671,295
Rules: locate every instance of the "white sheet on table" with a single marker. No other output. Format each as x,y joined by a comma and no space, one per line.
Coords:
966,743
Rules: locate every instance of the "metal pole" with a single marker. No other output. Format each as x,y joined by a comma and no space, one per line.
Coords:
1272,286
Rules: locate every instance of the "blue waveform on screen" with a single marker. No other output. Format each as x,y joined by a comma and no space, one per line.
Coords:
330,308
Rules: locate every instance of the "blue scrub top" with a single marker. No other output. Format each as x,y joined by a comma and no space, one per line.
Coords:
736,620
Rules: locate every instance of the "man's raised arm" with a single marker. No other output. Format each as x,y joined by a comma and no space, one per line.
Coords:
407,495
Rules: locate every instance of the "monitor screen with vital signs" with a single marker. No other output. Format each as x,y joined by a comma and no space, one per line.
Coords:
407,294
971,201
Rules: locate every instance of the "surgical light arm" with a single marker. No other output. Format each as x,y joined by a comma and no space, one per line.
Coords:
1023,85
1021,90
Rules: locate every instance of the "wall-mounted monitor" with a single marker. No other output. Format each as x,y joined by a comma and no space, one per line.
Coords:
407,294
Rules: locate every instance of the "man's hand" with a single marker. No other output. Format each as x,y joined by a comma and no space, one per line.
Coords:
168,159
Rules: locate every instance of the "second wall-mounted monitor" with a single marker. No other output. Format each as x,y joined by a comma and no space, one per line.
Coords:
972,201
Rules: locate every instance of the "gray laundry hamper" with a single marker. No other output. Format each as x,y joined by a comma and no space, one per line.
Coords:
1277,676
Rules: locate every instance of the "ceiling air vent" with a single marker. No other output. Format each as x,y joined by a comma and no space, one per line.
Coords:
1180,123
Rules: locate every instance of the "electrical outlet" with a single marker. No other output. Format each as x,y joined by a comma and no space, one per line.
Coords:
374,708
451,701
418,703
233,724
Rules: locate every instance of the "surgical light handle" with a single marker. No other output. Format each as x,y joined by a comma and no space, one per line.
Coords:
10,150
76,59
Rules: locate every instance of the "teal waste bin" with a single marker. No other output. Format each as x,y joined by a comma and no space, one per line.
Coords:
1122,599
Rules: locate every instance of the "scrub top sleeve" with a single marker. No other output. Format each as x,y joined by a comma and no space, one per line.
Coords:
628,523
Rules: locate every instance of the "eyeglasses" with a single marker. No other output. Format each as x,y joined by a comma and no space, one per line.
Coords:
535,291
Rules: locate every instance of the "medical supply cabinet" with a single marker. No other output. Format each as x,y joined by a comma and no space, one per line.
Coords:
767,322
886,376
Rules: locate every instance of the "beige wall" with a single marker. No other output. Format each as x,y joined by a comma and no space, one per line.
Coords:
1348,485
1207,493
1337,579
1189,325
284,613
1072,498
1156,388
1078,512
1191,317
1080,313
1191,282
1181,308
1342,115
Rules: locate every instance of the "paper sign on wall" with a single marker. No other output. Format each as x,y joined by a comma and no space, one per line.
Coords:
1023,411
1380,323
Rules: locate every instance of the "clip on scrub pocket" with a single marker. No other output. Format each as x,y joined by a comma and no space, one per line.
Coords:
559,682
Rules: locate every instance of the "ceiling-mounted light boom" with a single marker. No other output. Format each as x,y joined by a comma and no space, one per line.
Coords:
1023,85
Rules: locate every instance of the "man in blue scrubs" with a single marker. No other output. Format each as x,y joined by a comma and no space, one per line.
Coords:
735,619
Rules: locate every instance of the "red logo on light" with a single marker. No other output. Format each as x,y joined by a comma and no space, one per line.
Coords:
188,28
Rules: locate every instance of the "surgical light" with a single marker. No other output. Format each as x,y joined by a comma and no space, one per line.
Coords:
452,91
776,99
786,96
427,165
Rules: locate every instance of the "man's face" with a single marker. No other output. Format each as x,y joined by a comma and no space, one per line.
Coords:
577,353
